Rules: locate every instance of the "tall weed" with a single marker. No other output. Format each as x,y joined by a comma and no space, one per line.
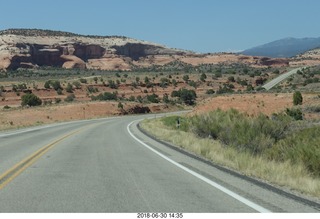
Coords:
279,138
235,129
300,147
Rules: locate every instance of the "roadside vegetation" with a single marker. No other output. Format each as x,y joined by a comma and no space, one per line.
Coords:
173,83
282,148
279,149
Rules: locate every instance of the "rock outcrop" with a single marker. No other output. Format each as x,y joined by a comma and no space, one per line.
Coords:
273,61
31,48
23,48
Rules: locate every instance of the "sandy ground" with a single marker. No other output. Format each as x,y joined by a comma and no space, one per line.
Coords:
253,104
22,117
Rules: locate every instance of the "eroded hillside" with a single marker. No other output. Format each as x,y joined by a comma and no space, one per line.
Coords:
32,48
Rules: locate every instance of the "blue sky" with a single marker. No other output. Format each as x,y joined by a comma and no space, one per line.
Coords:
197,25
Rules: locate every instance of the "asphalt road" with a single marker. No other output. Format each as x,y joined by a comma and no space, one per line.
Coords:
108,165
280,78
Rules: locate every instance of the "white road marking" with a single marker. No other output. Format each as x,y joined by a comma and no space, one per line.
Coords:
210,182
30,129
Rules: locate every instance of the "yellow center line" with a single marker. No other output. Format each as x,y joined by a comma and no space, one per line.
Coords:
17,169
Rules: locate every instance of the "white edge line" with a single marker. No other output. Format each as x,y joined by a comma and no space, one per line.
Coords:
210,182
30,129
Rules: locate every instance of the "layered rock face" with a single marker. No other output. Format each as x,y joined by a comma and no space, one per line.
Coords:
32,48
74,55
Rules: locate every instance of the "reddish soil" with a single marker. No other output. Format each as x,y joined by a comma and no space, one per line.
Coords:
83,108
20,117
253,104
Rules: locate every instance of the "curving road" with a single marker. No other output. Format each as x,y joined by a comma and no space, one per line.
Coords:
280,78
108,165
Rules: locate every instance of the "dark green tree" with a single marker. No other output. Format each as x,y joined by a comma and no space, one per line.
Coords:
297,98
186,96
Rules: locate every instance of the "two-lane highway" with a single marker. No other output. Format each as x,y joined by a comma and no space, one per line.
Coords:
280,78
108,165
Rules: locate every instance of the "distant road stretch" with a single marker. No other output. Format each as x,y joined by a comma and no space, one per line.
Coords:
280,78
108,165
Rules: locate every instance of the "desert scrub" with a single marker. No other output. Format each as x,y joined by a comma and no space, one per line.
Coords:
283,173
235,129
173,121
300,147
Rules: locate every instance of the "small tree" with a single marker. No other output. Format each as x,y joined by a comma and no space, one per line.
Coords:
120,106
185,78
165,98
69,88
112,84
47,84
231,79
56,85
30,100
203,77
153,98
295,113
70,98
297,98
185,95
188,96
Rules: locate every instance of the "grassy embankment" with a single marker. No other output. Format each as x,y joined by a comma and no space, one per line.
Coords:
278,150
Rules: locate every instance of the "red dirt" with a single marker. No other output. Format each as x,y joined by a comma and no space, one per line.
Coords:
253,104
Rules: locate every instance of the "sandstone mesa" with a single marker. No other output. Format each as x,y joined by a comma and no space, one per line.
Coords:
32,48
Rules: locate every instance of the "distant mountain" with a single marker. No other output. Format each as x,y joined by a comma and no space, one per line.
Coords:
286,47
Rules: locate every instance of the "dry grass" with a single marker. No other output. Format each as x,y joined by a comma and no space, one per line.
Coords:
294,177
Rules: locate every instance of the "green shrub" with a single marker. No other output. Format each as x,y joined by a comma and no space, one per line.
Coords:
231,79
132,98
77,84
69,88
172,121
83,80
56,85
297,98
57,100
203,77
70,98
295,113
240,131
112,84
186,96
153,98
30,100
210,91
274,138
92,89
165,98
192,83
59,91
105,96
224,89
47,85
120,105
300,147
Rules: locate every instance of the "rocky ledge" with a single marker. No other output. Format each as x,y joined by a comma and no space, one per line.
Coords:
32,48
